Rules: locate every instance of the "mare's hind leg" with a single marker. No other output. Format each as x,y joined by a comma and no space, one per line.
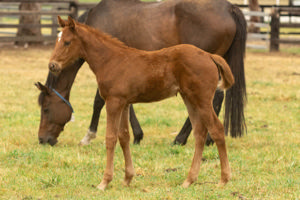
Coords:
136,127
91,133
124,139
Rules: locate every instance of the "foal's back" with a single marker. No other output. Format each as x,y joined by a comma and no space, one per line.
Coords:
156,75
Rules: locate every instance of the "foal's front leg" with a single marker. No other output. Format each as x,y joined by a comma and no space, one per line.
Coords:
114,109
124,139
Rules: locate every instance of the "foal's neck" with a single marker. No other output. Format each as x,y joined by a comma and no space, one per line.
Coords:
100,48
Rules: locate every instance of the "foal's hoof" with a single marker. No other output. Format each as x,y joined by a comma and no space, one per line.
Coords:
102,186
224,180
186,184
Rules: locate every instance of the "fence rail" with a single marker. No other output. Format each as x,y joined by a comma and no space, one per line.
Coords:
9,10
276,25
51,8
259,40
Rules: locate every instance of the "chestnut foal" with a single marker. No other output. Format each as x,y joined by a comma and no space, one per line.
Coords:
126,75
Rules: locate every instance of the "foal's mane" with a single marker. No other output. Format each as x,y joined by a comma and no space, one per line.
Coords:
101,35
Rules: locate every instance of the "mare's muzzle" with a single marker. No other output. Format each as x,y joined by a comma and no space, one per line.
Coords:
54,67
50,140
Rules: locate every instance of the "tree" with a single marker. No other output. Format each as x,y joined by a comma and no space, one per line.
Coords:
254,6
29,20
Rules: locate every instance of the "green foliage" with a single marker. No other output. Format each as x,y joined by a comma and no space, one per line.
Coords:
265,162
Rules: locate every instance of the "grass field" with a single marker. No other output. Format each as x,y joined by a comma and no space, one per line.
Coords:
265,163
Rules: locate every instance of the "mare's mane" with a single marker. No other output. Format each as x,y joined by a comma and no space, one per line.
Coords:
50,83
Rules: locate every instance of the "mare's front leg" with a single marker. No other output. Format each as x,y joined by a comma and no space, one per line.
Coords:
184,133
136,128
124,139
114,109
92,131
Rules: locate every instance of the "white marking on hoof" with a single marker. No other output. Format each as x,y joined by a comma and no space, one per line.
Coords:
86,140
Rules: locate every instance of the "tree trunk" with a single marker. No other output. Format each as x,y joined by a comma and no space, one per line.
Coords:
254,6
29,19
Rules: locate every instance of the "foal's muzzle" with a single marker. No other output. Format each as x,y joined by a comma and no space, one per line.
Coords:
54,67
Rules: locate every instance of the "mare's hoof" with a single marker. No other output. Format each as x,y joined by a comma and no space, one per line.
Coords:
87,138
182,143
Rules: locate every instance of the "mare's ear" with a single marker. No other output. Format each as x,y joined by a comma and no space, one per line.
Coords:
71,22
61,22
42,87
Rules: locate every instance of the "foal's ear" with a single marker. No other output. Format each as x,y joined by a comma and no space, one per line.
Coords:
42,87
61,22
71,22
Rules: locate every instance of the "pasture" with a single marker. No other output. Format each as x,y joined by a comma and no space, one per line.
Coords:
265,163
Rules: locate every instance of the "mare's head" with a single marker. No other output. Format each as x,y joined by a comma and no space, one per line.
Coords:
55,113
67,47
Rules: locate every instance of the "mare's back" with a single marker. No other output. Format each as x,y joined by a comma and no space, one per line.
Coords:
152,26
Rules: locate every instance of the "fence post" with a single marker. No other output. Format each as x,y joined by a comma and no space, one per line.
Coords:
54,21
73,7
275,22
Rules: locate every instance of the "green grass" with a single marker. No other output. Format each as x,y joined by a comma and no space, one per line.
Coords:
265,162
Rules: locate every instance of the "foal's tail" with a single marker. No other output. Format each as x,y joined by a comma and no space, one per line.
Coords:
227,79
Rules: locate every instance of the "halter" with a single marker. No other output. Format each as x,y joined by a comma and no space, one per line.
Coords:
62,98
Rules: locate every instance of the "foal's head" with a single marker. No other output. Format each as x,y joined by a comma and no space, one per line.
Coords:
67,47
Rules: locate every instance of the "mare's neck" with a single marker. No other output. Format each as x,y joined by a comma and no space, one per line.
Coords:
64,81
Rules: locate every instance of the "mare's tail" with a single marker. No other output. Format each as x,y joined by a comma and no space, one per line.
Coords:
236,96
227,79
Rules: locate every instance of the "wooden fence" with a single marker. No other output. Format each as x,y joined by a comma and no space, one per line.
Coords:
277,24
10,14
259,40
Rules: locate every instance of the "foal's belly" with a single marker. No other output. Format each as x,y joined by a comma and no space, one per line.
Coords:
152,94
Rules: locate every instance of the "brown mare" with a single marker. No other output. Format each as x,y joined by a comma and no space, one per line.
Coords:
127,75
215,26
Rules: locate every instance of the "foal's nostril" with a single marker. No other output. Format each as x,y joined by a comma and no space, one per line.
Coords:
51,66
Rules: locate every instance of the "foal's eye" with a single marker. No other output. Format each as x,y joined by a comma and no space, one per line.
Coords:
46,110
67,43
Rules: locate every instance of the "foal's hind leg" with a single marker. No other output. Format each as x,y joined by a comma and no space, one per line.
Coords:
216,130
217,133
217,104
124,139
204,119
200,133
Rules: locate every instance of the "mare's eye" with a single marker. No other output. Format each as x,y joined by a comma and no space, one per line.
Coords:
67,43
46,110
